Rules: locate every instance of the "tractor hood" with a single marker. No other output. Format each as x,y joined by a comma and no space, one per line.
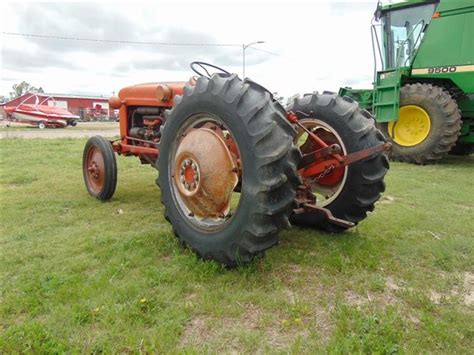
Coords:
152,94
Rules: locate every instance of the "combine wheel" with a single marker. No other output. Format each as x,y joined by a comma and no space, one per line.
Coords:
348,192
223,131
99,168
41,125
428,126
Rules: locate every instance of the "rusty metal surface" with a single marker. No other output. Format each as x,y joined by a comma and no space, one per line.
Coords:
365,153
320,166
306,202
127,149
115,102
95,169
205,173
163,92
326,213
146,94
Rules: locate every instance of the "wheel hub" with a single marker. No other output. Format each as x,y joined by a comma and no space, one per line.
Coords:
205,173
95,168
327,186
412,127
189,175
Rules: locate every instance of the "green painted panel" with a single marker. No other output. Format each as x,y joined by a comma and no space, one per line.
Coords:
387,96
448,41
362,96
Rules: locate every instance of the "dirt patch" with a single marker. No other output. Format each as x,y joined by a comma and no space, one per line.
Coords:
469,288
196,332
276,331
435,297
391,285
202,329
387,297
355,299
386,200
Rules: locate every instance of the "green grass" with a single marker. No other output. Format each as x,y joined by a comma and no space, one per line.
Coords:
79,275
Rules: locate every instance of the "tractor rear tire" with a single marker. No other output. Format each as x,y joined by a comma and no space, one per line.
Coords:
363,183
445,124
99,168
268,157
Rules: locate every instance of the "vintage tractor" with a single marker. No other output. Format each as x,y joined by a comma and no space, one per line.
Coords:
235,167
423,96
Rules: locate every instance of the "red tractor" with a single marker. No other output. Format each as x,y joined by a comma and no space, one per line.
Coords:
236,167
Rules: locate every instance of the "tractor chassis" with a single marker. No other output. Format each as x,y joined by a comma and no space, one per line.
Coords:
315,165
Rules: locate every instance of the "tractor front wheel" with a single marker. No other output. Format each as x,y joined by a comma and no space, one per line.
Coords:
224,132
428,126
348,192
99,168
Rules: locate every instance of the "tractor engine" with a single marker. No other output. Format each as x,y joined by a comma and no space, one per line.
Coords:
145,124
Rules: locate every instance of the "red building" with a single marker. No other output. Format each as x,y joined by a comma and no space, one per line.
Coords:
89,108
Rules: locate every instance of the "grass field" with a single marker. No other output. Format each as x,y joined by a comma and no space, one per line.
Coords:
83,276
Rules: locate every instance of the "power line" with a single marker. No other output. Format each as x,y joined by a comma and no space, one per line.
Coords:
264,51
123,41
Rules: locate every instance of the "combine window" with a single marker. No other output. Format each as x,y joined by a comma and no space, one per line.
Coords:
403,31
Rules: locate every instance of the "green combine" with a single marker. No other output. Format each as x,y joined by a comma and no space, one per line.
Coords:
423,96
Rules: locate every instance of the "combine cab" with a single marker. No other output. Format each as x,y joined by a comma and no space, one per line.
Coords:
235,167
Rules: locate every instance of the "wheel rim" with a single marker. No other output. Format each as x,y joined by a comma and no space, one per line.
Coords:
204,171
327,188
412,127
95,169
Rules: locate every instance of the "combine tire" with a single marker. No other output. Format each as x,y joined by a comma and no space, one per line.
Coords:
99,168
41,125
191,173
428,126
352,191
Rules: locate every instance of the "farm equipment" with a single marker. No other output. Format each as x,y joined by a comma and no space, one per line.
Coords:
235,167
423,97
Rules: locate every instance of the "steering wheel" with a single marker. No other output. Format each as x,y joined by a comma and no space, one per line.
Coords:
197,66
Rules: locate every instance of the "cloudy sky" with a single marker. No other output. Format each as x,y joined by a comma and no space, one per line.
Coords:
315,45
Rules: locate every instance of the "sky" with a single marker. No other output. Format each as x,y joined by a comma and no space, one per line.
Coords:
314,46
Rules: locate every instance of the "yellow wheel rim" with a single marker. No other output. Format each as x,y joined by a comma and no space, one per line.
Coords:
412,127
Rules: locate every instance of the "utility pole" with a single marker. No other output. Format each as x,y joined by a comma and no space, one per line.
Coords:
244,47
